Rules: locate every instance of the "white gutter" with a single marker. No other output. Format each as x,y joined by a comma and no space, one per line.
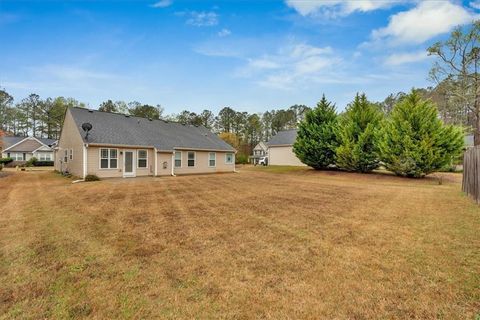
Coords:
85,146
173,163
156,160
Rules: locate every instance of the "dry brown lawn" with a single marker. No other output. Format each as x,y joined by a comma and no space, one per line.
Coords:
262,243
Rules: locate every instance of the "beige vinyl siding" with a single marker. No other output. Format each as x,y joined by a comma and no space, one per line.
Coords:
202,163
93,162
283,156
70,138
161,158
27,145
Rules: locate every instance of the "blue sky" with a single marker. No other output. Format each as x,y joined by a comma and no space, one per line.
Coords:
251,55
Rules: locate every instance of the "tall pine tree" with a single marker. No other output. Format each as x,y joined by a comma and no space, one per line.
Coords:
358,136
415,142
316,138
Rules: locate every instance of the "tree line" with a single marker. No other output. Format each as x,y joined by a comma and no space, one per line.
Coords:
410,141
43,118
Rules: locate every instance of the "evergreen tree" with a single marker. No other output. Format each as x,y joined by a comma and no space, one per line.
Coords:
358,135
414,140
316,138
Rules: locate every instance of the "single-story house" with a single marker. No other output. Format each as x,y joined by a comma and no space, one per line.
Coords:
116,145
280,149
260,150
22,149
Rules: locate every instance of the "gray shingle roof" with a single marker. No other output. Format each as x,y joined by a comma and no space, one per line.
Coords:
10,141
118,129
286,137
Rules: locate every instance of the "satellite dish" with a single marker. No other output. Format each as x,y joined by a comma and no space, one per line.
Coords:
87,127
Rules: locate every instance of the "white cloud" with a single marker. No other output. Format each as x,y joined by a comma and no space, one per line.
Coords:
162,4
201,19
427,20
475,4
334,8
292,66
406,57
224,32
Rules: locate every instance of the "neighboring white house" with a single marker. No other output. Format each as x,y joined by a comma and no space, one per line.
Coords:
22,149
260,150
280,149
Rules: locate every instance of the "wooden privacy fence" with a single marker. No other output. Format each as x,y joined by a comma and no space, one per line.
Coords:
471,173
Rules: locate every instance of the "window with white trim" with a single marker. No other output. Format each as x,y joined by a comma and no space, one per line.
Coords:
229,158
191,159
142,156
44,156
178,159
71,154
212,159
65,156
16,156
108,158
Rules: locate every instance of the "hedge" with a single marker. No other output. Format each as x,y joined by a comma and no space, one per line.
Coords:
5,160
43,163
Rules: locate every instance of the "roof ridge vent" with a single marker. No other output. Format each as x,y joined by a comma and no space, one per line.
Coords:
127,116
90,110
150,119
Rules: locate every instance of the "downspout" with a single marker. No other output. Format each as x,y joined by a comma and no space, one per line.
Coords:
173,163
156,164
85,146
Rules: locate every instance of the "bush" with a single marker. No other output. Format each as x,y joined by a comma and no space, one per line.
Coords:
358,135
5,160
43,164
414,140
31,162
241,159
316,138
92,177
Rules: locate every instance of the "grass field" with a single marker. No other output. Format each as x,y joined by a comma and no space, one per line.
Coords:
262,243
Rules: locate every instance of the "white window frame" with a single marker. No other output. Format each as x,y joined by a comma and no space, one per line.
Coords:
138,159
70,155
214,159
194,159
175,159
18,156
44,156
233,158
108,158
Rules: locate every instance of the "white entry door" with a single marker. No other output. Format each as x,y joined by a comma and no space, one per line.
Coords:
129,163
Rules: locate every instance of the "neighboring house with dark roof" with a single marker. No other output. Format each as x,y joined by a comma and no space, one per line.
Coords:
125,146
22,149
280,149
